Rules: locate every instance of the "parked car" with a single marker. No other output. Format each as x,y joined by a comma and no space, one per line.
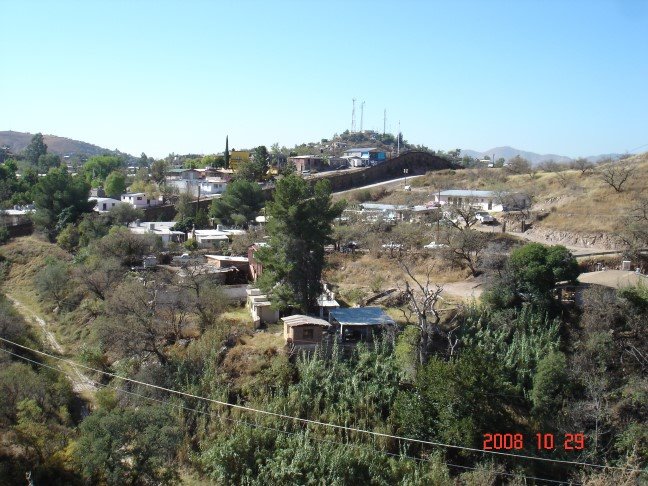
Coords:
392,246
434,246
484,218
350,247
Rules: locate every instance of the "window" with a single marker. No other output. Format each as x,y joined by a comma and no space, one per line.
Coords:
139,198
104,206
307,334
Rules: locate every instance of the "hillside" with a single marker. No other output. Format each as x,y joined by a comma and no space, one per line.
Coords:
570,202
507,153
17,141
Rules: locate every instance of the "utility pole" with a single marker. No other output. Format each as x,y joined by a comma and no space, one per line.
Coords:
398,140
353,117
361,115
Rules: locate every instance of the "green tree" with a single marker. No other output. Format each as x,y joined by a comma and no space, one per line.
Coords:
212,160
4,235
68,239
127,247
131,446
124,214
92,226
536,268
184,207
240,203
456,401
227,154
60,199
143,161
97,168
202,220
53,282
530,274
300,224
35,149
47,162
550,385
159,169
115,184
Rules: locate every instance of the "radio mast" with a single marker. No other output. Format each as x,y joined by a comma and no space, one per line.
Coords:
361,115
384,121
353,117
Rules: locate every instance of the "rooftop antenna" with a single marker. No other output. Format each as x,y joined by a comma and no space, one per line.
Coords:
361,115
353,117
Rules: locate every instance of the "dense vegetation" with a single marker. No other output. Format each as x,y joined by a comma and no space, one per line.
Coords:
518,361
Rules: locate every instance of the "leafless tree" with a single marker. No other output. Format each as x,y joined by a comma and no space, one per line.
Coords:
203,294
562,178
582,164
461,216
551,166
142,319
518,165
100,275
466,247
422,299
616,175
634,231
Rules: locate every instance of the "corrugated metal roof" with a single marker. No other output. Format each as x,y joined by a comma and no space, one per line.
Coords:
468,193
362,149
361,316
303,320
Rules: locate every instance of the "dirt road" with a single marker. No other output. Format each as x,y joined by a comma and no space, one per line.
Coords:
80,382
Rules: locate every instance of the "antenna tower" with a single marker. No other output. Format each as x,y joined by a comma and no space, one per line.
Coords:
353,117
384,121
361,115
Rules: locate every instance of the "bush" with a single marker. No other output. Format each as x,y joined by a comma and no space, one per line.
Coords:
4,235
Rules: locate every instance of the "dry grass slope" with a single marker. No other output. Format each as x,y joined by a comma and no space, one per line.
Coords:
581,203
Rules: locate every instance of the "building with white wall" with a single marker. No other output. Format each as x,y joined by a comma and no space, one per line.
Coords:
139,200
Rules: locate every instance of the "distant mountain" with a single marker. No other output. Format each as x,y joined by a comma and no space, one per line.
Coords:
17,141
535,159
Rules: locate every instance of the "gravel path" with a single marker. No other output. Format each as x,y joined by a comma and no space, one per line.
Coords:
80,382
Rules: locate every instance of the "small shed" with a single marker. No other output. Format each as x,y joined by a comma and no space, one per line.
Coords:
225,261
301,329
326,302
360,323
261,308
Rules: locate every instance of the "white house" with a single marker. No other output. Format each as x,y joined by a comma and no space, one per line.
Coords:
213,185
210,238
158,228
139,200
104,204
485,200
205,187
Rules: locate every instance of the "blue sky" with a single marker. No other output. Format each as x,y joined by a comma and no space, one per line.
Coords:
565,77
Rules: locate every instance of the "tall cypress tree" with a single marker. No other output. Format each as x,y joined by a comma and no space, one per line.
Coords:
227,166
300,224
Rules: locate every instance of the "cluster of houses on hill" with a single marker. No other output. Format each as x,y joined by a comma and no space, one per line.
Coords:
357,157
197,182
488,201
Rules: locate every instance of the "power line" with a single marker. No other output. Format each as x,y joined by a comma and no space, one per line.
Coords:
317,422
265,427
